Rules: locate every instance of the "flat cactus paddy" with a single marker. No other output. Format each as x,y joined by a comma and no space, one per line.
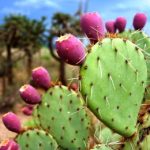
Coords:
113,79
35,139
62,113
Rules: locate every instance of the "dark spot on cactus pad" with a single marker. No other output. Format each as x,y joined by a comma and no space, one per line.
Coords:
142,82
130,93
85,67
78,109
82,119
127,61
129,116
76,131
52,118
70,101
91,84
126,128
112,119
61,96
124,40
108,75
48,105
27,134
27,145
49,127
72,141
98,58
37,133
51,93
118,107
60,109
63,128
70,119
79,148
116,50
38,115
40,144
61,138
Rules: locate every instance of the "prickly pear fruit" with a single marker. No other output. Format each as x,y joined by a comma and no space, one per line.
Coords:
92,25
29,94
139,21
27,111
41,77
120,24
110,26
70,49
9,145
12,122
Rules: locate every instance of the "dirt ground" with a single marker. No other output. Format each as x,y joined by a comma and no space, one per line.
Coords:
4,133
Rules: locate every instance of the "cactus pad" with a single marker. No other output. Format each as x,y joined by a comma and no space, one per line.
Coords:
113,79
62,114
36,140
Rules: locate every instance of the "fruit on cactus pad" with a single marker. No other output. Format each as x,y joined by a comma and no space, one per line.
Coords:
70,49
29,94
139,21
120,24
27,111
12,122
110,26
9,145
41,77
92,25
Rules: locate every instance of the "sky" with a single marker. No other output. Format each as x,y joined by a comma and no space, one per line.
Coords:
108,9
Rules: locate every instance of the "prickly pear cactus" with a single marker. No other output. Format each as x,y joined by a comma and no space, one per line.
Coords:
113,79
36,140
102,147
63,114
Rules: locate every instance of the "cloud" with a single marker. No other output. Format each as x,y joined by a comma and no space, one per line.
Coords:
36,3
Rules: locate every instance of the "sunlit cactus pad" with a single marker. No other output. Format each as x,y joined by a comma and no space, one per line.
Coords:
113,79
62,114
36,140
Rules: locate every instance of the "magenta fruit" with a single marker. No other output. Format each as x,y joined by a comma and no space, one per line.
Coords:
120,24
41,77
9,145
70,49
29,94
92,25
12,122
139,21
27,111
110,26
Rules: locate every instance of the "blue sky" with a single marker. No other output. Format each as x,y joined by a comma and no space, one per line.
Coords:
109,9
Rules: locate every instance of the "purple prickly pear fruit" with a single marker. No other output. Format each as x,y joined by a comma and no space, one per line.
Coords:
74,86
12,122
29,94
41,77
139,21
120,24
110,26
9,145
92,25
70,49
27,111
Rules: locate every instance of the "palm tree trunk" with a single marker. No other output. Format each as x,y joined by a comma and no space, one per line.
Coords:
62,75
9,65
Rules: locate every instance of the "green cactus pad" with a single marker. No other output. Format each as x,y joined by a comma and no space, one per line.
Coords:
36,140
63,115
102,147
113,79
